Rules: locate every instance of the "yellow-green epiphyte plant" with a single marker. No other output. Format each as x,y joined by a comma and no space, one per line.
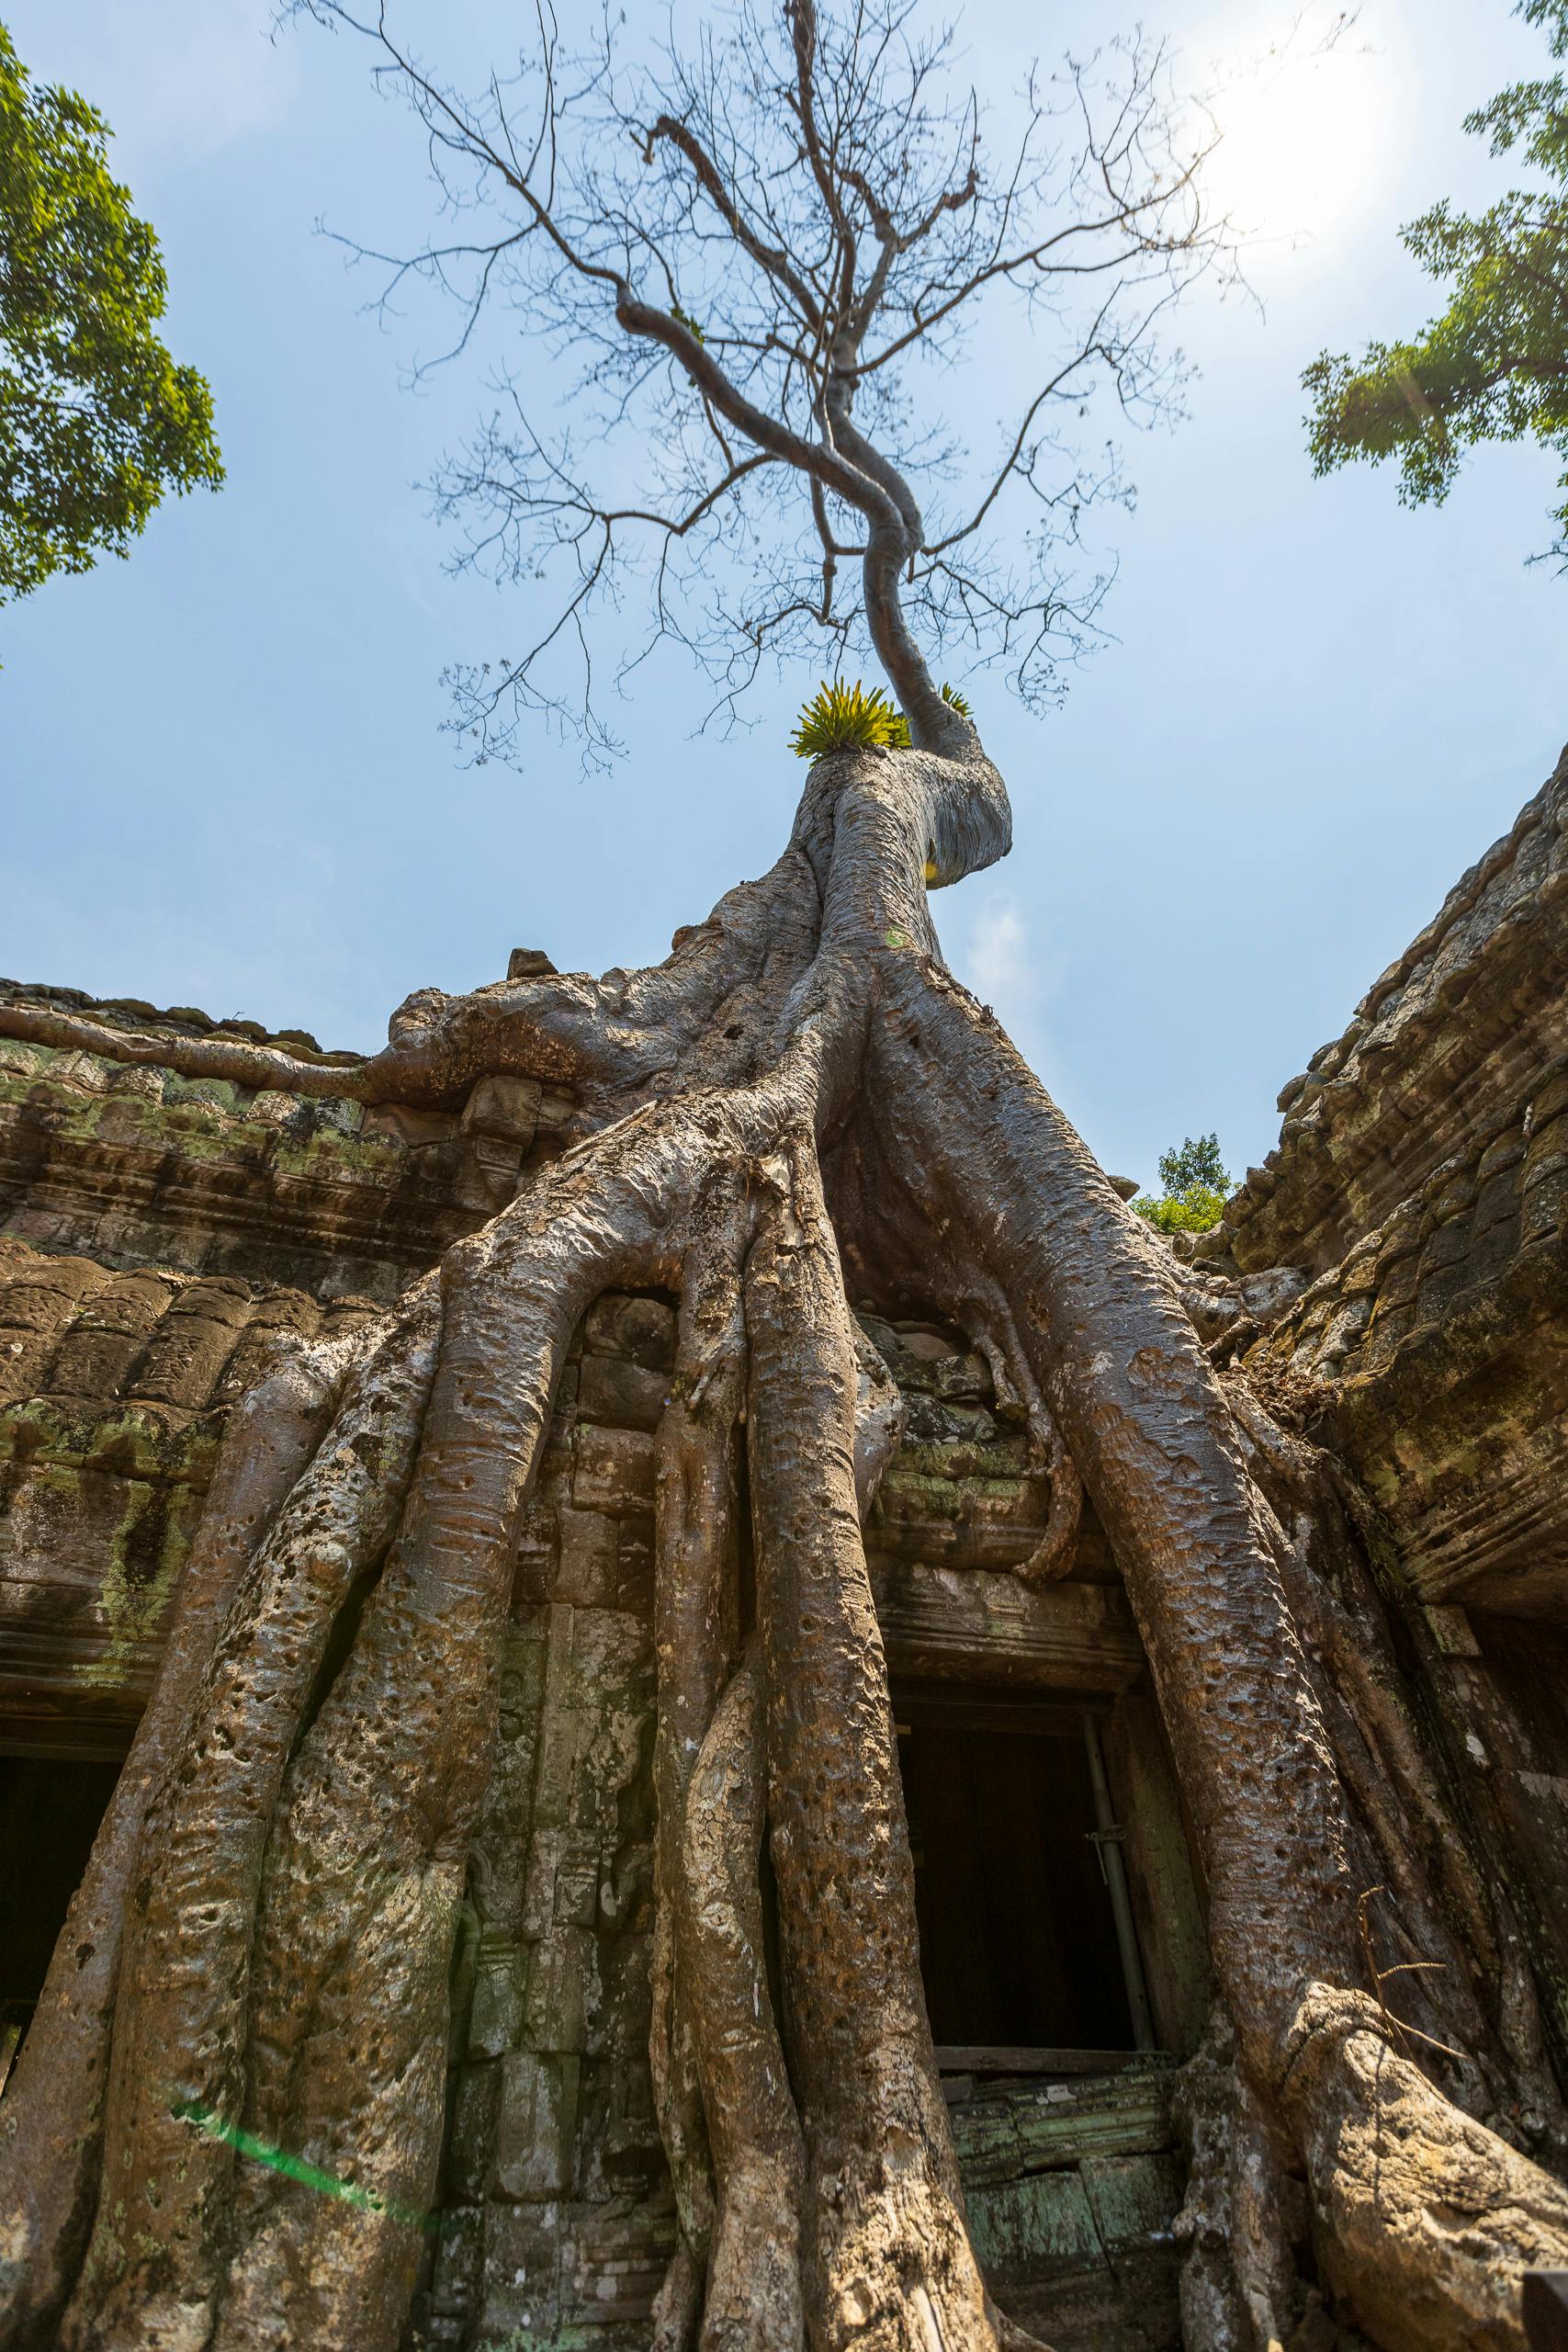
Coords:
843,717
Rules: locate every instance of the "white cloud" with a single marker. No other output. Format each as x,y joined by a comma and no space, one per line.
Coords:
999,969
1002,961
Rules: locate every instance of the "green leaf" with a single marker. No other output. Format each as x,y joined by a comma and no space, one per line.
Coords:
1493,365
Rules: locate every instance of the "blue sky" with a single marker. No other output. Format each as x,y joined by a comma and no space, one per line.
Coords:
223,778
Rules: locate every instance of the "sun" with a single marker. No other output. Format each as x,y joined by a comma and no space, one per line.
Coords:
1304,134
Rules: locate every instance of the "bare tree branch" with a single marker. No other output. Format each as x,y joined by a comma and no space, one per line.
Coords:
760,256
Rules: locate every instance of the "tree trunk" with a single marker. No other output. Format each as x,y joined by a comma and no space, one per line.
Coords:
262,1944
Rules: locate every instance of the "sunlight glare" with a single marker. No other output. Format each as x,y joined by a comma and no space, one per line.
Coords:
1304,139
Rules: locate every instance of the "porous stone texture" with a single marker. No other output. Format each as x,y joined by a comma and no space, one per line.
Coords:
1439,1341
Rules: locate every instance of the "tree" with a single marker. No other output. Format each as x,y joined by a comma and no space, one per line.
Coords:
96,421
798,1099
1195,1185
1493,366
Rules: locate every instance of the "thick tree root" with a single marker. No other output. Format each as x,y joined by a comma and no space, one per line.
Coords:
1245,2213
754,2298
1454,1980
1425,2219
154,2269
52,2121
289,1848
695,1637
886,2251
1127,1380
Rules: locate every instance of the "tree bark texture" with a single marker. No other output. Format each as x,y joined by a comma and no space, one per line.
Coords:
262,1943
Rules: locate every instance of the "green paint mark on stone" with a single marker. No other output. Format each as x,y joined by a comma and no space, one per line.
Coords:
262,2152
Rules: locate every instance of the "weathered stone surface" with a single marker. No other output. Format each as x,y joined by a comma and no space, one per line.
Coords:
1071,2194
589,1558
621,1395
640,1329
136,1166
968,1626
506,1107
459,2254
528,964
536,2127
112,1394
495,2013
613,1472
1002,2136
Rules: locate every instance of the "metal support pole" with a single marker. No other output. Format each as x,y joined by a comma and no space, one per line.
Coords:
1107,1836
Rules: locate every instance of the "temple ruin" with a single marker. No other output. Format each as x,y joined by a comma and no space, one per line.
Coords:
1395,1278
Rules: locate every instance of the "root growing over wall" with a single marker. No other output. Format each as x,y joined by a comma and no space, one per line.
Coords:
263,1934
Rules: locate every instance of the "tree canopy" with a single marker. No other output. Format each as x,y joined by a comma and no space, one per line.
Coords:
1493,366
96,419
1195,1184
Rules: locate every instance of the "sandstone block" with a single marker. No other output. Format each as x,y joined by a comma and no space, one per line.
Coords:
612,1471
555,2007
642,1329
495,1166
557,1729
507,1108
620,1394
589,1564
473,2133
1132,2198
536,2127
619,2264
459,2253
529,964
497,2011
547,1848
636,1590
577,1891
520,2291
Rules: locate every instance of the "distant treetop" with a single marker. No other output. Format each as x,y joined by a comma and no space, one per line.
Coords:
1196,1186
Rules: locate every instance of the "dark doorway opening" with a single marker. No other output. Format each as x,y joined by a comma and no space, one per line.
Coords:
50,1813
1018,1938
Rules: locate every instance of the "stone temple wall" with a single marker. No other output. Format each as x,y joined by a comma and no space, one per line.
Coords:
1421,1186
